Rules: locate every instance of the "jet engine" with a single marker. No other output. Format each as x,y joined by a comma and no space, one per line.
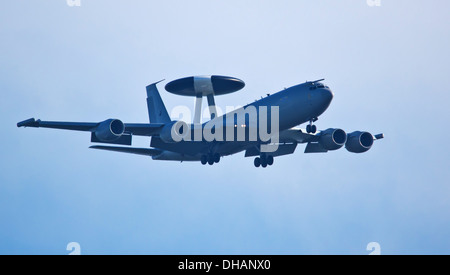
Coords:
110,130
333,139
359,142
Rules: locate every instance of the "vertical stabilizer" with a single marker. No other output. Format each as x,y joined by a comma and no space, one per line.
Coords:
157,112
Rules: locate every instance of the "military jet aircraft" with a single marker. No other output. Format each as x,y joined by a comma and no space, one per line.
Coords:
231,133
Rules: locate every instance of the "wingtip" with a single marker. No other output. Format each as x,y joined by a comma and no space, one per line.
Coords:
31,122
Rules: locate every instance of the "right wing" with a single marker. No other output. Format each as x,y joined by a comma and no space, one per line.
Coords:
315,144
298,135
287,143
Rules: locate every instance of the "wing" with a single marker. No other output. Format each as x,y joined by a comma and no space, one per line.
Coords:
144,129
298,135
330,139
287,144
77,126
137,151
320,142
111,131
136,129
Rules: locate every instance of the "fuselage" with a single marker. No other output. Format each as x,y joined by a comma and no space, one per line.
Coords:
296,105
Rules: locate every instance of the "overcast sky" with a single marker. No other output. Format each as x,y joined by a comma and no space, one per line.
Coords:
388,67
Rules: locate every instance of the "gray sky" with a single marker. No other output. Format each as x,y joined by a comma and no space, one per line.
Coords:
388,67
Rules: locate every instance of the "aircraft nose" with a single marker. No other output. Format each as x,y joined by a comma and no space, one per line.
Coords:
327,95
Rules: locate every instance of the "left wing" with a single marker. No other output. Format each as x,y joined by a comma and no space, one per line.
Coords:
137,151
144,129
77,126
111,131
136,129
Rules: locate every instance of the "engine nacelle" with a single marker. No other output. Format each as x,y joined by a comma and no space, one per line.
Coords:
333,139
110,130
175,131
359,142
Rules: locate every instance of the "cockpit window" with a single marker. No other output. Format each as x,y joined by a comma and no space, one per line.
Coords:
317,86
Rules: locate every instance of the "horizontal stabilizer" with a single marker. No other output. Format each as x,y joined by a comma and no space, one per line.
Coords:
122,140
137,151
379,136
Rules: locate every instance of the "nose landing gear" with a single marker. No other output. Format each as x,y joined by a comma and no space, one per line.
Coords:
311,128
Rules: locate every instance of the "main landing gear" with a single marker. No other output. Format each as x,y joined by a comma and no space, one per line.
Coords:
311,128
210,159
263,161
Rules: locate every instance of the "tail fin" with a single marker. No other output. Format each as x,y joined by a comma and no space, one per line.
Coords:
157,112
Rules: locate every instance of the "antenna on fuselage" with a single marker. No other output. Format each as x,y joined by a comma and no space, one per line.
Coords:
315,81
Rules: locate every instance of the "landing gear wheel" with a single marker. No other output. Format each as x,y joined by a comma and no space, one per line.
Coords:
310,128
257,162
204,160
216,158
210,159
269,160
263,161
